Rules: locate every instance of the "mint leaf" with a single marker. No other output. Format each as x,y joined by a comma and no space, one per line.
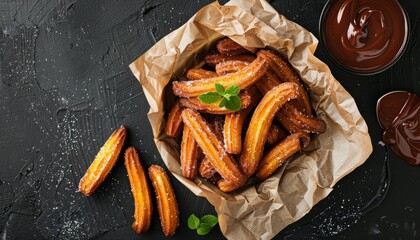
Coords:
233,90
193,222
209,219
203,229
209,98
223,102
229,97
234,103
220,89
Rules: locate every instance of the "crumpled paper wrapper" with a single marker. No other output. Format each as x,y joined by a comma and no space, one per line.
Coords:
258,210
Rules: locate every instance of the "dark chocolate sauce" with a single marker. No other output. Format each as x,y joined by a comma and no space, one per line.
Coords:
399,116
364,35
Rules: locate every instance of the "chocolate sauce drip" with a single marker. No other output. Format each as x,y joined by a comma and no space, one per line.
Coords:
399,116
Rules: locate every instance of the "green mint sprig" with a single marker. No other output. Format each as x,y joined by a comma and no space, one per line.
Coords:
229,97
203,225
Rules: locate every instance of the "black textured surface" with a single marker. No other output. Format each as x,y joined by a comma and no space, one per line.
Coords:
65,85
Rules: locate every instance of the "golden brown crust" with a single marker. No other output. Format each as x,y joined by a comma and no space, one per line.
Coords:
212,59
275,135
304,123
229,47
189,155
166,201
280,153
207,169
290,115
104,161
199,73
261,121
244,78
230,66
286,73
140,189
213,147
174,122
232,130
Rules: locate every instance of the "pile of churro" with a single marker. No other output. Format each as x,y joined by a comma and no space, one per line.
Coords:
273,121
165,196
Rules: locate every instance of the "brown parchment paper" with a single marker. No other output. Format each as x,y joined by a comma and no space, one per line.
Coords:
259,210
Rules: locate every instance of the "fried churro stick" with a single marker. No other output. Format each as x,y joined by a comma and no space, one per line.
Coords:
199,73
230,48
166,201
174,122
232,131
284,71
260,123
142,199
230,66
189,154
207,169
289,115
104,161
305,123
244,78
280,153
213,59
213,148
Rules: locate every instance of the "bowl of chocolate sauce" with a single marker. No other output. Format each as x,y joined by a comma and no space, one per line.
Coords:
364,36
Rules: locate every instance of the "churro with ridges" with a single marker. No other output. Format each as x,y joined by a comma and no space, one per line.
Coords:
232,130
305,123
189,155
213,147
230,66
286,73
261,121
230,48
166,201
174,122
140,189
104,161
244,78
289,115
212,59
280,153
199,73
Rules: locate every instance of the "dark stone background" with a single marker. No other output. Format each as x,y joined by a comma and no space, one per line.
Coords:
65,86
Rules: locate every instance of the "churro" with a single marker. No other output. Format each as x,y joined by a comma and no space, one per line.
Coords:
189,155
213,147
199,73
230,66
213,59
104,161
166,201
280,153
243,78
174,122
261,121
140,190
230,48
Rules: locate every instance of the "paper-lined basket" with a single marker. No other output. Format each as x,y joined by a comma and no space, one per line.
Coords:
261,210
